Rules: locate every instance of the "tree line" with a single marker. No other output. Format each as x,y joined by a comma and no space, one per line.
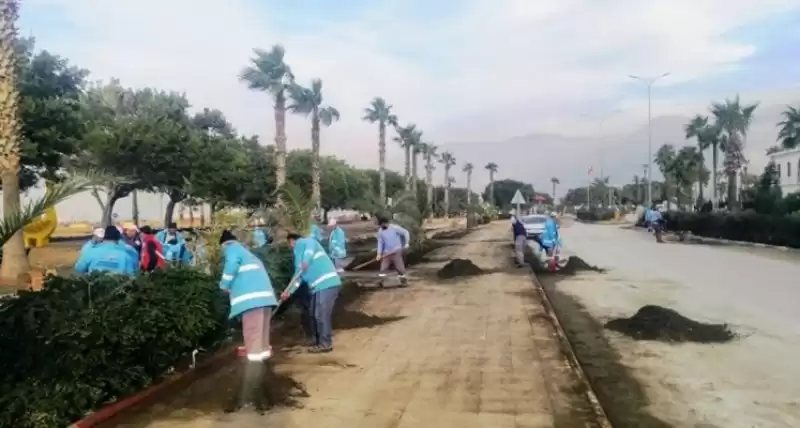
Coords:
54,121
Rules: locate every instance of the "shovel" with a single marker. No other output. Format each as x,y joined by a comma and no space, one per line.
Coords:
369,262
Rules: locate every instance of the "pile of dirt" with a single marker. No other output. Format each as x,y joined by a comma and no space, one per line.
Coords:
458,267
576,264
280,390
654,322
348,319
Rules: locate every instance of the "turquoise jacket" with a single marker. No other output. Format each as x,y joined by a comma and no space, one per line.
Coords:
89,244
177,252
107,256
315,233
260,237
162,237
337,244
246,279
551,236
321,273
652,215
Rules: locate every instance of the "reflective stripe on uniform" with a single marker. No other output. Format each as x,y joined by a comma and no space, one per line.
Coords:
249,296
249,267
318,255
226,277
323,278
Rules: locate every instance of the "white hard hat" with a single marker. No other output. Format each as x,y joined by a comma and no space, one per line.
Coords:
99,232
553,214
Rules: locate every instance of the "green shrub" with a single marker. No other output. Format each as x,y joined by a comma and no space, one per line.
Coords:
84,341
595,215
743,226
277,258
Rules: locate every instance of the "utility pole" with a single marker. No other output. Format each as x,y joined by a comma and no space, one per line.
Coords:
649,82
645,168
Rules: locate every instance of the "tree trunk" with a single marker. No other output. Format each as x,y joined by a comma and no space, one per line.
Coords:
169,212
135,206
732,200
382,161
491,188
15,261
408,167
191,215
429,185
414,156
700,198
714,195
202,214
112,195
469,188
554,193
315,175
212,211
446,192
280,139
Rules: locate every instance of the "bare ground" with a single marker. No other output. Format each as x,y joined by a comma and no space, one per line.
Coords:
479,352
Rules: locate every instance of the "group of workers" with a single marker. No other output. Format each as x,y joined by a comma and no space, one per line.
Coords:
127,249
549,240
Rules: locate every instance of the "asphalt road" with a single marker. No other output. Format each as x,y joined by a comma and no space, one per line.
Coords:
748,382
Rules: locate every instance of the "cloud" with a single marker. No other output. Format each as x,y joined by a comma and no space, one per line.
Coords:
462,70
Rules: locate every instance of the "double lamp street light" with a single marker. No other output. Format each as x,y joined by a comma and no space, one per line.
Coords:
649,81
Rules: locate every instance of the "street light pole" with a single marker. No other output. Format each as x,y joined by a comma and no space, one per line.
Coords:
649,82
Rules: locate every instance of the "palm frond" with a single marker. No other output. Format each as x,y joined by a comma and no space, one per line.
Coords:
296,209
13,222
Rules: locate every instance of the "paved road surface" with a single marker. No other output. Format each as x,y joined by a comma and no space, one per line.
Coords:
751,382
477,352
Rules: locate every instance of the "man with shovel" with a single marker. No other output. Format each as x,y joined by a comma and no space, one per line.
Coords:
392,241
252,298
315,268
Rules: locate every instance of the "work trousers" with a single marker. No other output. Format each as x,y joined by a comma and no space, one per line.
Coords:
322,303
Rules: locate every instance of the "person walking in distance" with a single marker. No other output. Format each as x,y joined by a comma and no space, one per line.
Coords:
337,245
392,241
520,239
315,268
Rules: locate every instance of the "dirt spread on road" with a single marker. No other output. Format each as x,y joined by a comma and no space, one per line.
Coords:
653,322
458,268
483,354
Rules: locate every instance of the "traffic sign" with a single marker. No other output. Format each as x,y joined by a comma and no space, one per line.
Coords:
518,198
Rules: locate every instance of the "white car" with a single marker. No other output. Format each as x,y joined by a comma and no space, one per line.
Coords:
534,224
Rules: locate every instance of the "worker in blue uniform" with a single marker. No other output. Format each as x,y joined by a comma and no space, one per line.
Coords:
252,298
108,256
315,268
337,245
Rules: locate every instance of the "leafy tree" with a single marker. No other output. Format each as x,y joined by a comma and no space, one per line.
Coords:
381,113
308,101
698,128
789,132
141,138
503,191
448,160
492,168
268,72
394,182
733,119
49,90
665,159
766,196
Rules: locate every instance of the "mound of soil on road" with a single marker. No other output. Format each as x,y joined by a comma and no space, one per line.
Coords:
280,390
458,267
576,264
654,322
346,319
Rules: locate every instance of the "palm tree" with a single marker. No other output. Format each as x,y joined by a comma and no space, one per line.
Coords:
698,128
268,72
405,138
380,112
308,101
448,160
555,182
492,167
15,261
665,159
789,132
430,156
416,149
733,119
468,167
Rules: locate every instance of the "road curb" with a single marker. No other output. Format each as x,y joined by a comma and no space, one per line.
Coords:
569,353
682,237
117,408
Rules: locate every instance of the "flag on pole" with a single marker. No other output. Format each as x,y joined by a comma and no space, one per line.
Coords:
591,170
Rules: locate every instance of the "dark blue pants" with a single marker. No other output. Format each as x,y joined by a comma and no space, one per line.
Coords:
322,303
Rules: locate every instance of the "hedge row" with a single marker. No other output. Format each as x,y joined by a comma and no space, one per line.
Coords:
595,215
85,341
743,226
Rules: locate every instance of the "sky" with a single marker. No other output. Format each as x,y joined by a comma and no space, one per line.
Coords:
463,71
